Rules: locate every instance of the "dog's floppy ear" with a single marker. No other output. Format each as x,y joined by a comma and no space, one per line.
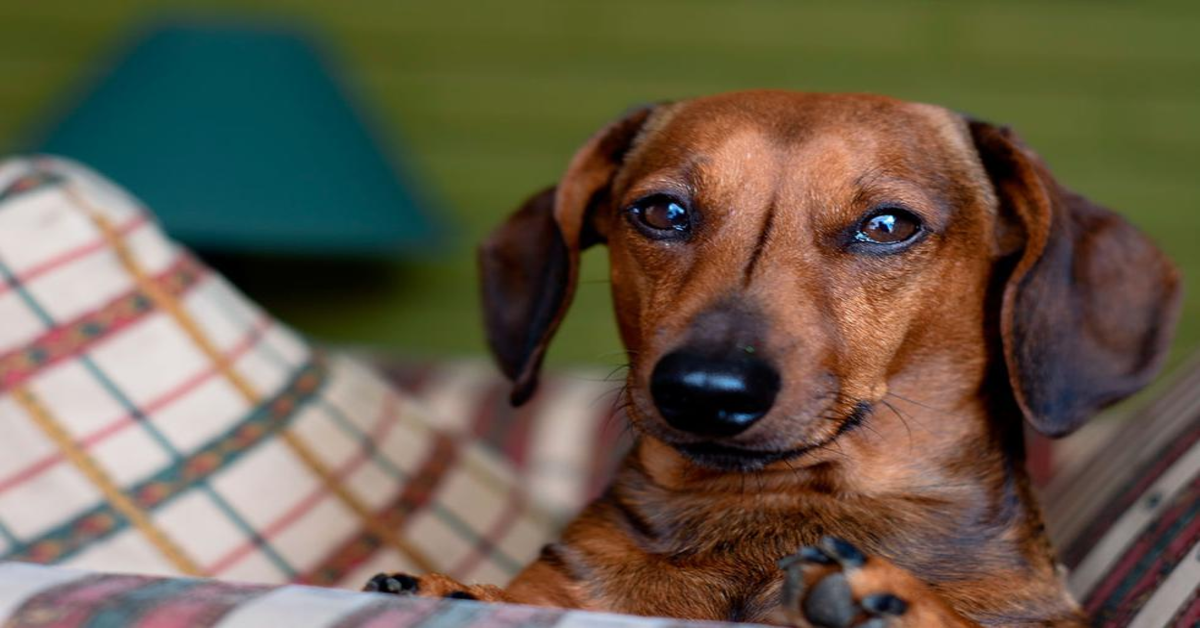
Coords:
529,265
1090,306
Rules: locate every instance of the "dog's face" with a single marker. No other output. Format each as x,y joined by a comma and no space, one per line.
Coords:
773,259
781,261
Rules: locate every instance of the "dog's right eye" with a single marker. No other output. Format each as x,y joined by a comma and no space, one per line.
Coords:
661,216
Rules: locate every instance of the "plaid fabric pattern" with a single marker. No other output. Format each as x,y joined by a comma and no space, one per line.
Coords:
1127,521
564,443
152,420
43,597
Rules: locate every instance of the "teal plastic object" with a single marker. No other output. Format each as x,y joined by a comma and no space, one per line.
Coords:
241,140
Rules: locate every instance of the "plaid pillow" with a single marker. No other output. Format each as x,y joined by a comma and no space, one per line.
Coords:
153,420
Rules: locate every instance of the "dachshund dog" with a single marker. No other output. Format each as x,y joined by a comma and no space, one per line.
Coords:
839,311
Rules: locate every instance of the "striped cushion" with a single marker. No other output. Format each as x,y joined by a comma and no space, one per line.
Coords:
152,420
1128,521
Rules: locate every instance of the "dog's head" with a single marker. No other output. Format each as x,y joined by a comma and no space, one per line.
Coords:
781,261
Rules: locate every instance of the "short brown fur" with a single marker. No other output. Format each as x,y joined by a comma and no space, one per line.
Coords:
906,377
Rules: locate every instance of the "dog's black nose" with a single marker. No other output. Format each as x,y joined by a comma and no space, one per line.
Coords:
713,396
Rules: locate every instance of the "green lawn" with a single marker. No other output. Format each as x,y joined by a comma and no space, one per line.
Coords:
491,98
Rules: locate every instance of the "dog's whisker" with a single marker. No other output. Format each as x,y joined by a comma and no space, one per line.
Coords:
866,424
903,420
919,403
910,417
606,378
627,366
618,392
796,472
627,353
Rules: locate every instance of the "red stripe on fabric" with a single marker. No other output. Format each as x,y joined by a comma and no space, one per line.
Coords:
251,339
68,339
1039,457
245,549
391,613
612,440
72,603
1175,550
488,410
1189,613
248,341
1156,572
1099,598
411,378
202,605
424,483
514,616
513,507
414,495
516,438
387,419
1146,477
62,259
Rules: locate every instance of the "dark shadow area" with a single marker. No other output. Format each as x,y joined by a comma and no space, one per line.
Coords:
285,282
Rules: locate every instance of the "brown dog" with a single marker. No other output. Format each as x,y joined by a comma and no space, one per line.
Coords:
838,311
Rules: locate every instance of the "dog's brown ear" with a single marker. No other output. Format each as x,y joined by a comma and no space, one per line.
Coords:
1090,306
529,265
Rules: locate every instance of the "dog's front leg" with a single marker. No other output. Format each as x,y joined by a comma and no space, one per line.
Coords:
834,585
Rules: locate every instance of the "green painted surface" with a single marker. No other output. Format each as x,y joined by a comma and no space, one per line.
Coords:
492,98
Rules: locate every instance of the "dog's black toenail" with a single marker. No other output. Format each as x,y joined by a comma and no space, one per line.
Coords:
884,604
843,551
460,595
830,603
395,585
807,554
812,554
376,582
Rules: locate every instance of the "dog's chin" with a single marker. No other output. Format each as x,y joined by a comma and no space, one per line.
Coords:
718,457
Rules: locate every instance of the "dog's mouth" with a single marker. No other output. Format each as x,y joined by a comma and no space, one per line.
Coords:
726,458
721,457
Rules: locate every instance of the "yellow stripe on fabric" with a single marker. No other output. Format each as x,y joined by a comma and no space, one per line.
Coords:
169,304
108,488
161,298
384,533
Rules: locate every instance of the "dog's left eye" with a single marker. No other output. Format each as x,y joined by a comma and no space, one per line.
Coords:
661,216
888,226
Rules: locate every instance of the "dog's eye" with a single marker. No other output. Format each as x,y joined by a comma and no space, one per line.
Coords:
663,215
888,226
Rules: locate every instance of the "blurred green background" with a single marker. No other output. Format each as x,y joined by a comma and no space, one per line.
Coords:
489,100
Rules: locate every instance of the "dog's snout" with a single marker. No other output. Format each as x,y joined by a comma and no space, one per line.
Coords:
713,397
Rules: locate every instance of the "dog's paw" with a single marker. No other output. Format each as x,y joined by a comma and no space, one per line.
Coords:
432,585
835,585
